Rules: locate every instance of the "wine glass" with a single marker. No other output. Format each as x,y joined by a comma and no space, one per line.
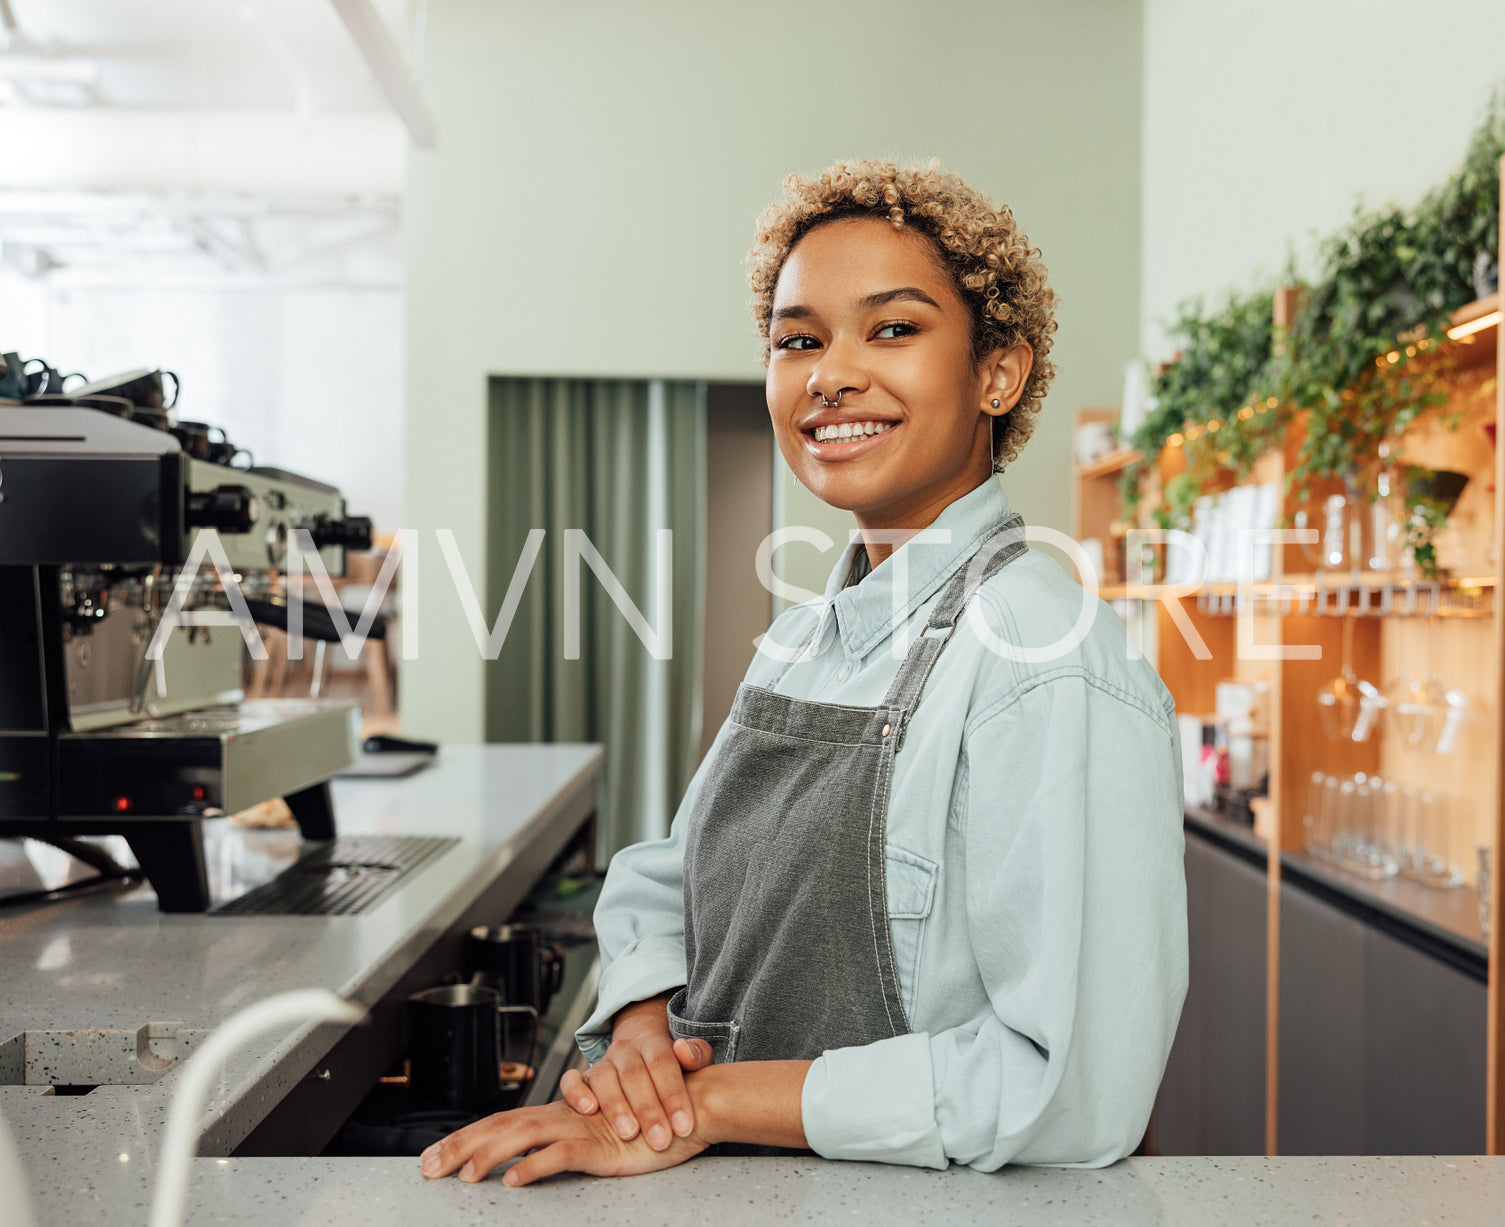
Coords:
1416,704
1457,711
1348,705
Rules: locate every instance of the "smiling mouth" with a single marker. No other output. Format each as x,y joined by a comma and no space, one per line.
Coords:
850,430
828,443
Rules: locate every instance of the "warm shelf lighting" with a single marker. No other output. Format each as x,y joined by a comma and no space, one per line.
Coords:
1487,320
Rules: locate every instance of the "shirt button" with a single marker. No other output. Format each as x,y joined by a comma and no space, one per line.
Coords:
842,676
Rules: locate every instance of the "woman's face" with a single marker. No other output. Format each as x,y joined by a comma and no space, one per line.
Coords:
865,310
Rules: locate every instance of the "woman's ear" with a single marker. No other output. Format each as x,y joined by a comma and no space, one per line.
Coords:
1006,372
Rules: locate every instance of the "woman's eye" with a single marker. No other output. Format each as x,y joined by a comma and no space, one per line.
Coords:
798,341
893,332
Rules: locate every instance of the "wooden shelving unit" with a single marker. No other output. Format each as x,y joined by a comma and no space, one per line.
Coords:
1454,628
1095,501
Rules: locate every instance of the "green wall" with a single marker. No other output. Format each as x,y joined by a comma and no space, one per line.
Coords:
1264,120
600,168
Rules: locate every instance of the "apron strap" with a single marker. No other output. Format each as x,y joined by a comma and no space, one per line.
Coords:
995,553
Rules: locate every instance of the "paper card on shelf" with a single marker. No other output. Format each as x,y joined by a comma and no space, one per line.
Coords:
1266,508
1221,540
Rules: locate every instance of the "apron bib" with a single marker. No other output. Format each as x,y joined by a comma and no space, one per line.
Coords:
787,942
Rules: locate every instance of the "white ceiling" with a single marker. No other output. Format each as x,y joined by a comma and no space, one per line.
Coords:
210,54
238,113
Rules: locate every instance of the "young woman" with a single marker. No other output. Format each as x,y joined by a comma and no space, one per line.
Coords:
923,900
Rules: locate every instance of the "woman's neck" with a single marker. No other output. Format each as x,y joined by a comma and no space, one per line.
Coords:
882,533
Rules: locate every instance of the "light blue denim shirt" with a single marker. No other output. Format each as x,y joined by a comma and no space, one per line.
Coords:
1034,868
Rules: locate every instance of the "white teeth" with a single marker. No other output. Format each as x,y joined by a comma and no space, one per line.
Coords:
850,430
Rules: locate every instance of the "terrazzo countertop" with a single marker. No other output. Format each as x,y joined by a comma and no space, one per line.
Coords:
117,962
1375,1192
113,961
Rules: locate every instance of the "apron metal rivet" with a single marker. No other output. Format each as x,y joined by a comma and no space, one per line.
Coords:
887,728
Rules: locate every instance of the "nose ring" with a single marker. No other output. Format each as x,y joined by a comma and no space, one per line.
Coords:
831,404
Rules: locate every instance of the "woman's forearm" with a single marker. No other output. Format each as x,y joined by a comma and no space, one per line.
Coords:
750,1101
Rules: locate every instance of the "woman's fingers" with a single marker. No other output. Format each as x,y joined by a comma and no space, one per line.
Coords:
452,1153
518,1132
576,1092
692,1054
643,1098
560,1138
606,1083
550,1161
669,1082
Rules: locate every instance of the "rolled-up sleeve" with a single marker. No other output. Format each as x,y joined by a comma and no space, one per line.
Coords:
640,921
1075,904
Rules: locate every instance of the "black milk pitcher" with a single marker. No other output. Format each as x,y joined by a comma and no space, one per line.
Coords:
455,1046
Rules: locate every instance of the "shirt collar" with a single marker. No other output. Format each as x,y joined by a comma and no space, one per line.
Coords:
866,612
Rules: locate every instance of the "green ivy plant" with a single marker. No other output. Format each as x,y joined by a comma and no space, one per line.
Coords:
1363,356
1214,400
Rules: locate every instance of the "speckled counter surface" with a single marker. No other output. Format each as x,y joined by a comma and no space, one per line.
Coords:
115,961
118,962
1375,1192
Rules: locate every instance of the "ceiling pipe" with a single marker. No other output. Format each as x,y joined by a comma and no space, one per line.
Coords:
385,61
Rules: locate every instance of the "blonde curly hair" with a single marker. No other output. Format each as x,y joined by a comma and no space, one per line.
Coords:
989,259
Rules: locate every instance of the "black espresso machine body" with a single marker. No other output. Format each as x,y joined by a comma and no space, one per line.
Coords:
98,515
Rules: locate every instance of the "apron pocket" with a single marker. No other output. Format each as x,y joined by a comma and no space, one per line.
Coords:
911,891
722,1037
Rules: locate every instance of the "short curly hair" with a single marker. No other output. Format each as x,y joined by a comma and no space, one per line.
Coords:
990,261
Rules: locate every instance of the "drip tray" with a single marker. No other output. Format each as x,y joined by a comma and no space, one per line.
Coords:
339,877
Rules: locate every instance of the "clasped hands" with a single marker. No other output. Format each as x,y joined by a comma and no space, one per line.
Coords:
631,1112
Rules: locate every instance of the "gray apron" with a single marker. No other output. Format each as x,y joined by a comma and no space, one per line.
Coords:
787,941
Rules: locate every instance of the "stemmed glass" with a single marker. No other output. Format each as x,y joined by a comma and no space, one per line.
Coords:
1349,706
1338,700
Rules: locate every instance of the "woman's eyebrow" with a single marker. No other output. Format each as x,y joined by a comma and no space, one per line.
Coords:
911,293
796,312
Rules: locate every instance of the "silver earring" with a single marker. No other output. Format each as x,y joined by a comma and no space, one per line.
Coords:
996,402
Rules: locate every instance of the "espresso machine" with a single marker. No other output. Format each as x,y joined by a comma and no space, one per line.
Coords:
98,515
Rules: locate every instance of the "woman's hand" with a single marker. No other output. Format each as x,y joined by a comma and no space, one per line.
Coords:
639,1085
561,1139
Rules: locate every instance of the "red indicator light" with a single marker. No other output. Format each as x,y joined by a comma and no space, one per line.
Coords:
198,792
122,804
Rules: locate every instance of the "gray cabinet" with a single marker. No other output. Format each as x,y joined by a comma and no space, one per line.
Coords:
1321,1061
1382,1030
1212,1098
1382,1045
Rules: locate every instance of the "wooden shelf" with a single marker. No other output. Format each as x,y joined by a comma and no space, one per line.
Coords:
1384,626
1106,466
1368,594
1474,334
1474,313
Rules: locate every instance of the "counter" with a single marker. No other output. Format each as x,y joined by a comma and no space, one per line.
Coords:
1443,923
117,962
1199,1192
